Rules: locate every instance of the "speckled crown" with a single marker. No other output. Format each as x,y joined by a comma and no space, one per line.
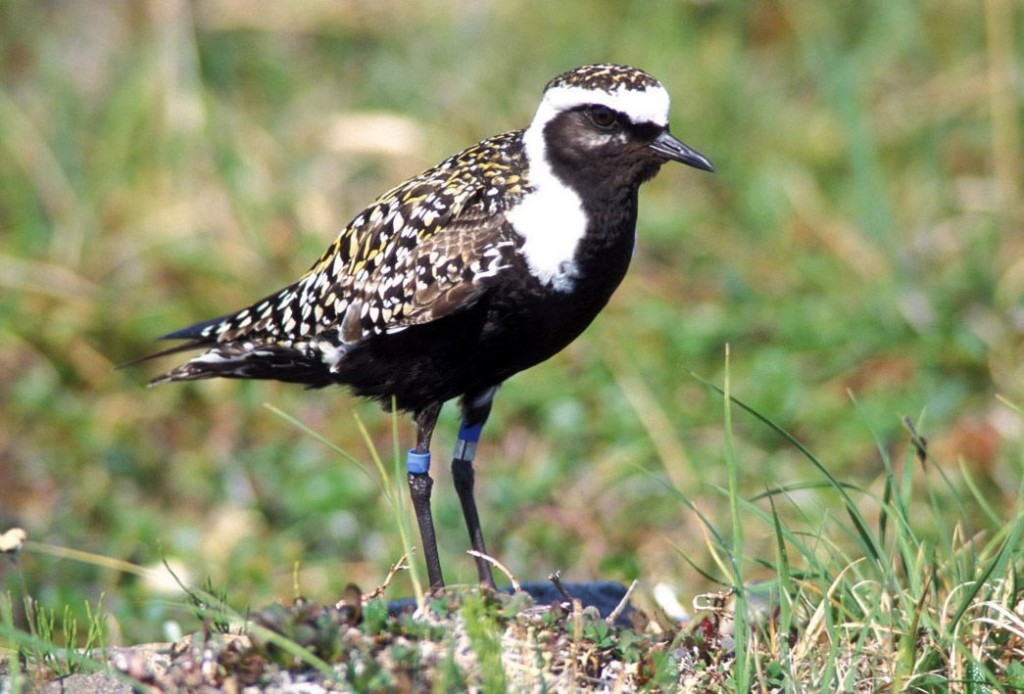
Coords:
605,77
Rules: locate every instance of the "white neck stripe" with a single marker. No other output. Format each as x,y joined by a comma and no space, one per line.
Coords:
550,219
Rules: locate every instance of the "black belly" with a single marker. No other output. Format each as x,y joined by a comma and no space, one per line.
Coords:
509,329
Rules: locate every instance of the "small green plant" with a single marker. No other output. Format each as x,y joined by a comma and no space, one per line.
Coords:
207,603
54,644
600,634
484,632
375,616
66,640
10,655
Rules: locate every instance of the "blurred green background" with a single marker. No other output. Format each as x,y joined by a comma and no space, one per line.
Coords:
860,250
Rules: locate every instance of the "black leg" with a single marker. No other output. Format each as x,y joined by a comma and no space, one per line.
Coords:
420,484
475,411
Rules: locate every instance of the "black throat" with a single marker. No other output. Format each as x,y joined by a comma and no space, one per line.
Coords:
605,171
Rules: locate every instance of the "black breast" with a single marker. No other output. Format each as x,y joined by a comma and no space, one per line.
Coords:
517,323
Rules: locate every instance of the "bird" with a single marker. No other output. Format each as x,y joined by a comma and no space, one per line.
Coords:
448,284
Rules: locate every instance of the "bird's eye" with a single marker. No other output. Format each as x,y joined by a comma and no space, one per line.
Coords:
602,116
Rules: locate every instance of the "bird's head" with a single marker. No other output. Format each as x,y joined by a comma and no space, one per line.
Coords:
606,122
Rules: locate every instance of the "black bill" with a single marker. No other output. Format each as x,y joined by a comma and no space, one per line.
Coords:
671,148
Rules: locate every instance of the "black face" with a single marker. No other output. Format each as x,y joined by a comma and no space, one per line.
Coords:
594,146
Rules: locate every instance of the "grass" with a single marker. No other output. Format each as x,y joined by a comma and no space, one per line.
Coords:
857,603
859,251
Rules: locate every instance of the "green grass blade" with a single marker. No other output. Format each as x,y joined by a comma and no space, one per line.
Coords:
867,540
394,496
744,657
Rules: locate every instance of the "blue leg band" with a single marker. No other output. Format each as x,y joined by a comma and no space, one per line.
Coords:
465,447
417,463
472,433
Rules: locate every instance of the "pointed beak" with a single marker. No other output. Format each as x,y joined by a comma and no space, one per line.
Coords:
675,150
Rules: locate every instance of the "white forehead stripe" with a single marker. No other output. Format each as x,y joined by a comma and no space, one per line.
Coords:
649,105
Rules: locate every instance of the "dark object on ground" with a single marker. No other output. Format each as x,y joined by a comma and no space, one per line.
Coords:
604,595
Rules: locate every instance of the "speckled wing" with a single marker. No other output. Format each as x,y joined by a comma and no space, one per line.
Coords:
421,251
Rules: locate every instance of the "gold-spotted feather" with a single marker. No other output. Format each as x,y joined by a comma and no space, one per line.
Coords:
421,251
